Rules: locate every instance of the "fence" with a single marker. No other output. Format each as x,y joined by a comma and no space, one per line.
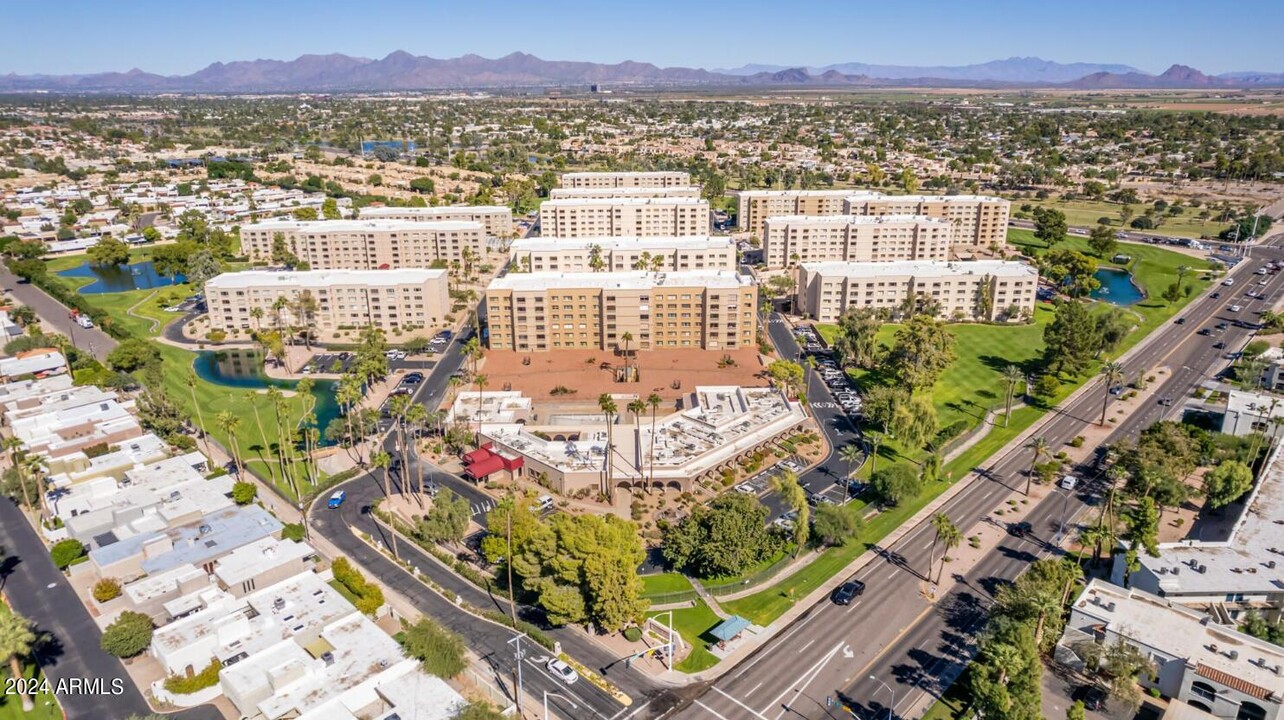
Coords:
748,581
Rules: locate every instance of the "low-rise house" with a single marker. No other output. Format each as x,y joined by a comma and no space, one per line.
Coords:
1249,412
58,433
40,362
149,545
79,467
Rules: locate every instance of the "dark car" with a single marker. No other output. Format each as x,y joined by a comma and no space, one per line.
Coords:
1204,331
1219,345
1093,697
1166,401
1223,325
413,378
1216,295
1020,529
848,591
1181,321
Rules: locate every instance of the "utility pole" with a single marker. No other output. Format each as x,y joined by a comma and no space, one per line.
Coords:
517,671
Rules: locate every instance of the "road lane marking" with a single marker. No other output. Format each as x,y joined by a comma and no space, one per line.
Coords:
755,687
746,707
711,711
800,652
809,676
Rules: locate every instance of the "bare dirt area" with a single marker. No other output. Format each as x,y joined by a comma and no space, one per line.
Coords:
589,373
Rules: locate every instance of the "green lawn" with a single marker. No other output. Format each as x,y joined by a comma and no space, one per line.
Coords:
665,583
970,385
46,705
692,623
1085,213
955,704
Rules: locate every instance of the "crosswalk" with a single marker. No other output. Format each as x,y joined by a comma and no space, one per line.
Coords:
480,509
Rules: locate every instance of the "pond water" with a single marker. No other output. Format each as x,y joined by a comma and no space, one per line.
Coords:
242,368
1116,288
113,279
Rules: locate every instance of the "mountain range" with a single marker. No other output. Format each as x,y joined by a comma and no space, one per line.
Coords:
401,71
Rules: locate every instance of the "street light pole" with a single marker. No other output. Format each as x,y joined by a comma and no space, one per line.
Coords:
891,708
547,693
517,654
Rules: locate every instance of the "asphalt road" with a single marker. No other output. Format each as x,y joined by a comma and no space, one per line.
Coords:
912,647
70,651
54,313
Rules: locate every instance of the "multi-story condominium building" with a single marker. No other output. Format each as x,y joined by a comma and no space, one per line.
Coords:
659,179
980,290
709,309
366,244
755,206
615,254
392,300
688,191
792,239
496,219
624,217
978,219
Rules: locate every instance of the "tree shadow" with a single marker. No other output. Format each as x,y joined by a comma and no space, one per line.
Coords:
47,649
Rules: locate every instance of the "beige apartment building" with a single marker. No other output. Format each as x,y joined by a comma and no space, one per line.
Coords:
617,254
497,219
367,244
979,290
978,219
595,193
710,309
792,239
755,206
393,300
624,217
659,179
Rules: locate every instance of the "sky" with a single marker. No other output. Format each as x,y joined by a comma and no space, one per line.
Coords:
182,36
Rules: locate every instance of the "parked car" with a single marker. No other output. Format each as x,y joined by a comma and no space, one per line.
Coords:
848,591
413,378
336,499
1093,697
746,488
563,672
84,321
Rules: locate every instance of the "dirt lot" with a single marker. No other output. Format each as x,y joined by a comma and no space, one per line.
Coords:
582,371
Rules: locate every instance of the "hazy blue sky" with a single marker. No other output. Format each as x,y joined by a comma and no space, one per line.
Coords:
181,36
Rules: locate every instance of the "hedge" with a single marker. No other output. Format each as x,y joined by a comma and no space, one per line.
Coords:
183,685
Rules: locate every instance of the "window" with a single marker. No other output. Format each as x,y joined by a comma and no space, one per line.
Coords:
1203,690
1250,711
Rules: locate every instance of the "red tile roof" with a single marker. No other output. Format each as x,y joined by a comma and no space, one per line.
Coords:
1231,681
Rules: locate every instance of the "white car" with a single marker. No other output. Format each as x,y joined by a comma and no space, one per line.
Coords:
1069,482
1234,308
746,488
84,321
563,672
1228,282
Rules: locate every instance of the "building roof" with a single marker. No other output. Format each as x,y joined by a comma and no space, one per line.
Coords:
802,193
845,220
213,535
35,387
924,268
32,362
731,627
564,193
631,280
692,242
865,196
624,173
376,212
259,557
321,279
624,201
357,226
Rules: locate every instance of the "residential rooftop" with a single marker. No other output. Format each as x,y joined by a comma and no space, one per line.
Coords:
194,543
321,279
631,280
258,557
357,226
857,220
623,201
691,242
925,268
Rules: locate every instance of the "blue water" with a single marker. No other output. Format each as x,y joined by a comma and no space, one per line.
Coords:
242,368
111,279
1116,287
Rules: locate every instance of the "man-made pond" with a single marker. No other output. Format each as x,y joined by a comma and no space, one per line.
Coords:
242,368
113,279
1117,287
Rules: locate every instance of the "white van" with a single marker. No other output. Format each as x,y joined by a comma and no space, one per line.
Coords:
544,503
84,321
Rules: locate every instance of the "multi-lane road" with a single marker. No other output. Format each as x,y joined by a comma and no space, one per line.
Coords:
893,642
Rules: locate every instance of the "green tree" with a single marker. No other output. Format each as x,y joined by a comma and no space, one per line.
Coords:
725,537
909,181
896,484
330,209
201,266
306,214
924,349
837,524
1049,225
947,534
1102,241
423,185
856,344
787,375
108,252
1071,270
914,421
128,635
1012,375
447,519
1070,340
786,486
1112,373
1227,483
16,640
478,710
132,355
66,552
243,493
441,652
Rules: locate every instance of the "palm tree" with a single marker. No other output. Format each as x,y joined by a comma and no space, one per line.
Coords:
33,466
1113,373
397,406
278,305
607,404
472,351
627,338
348,395
1095,536
851,455
254,403
1039,447
637,406
950,538
480,380
256,313
228,423
16,639
941,524
875,439
654,400
383,460
1011,375
12,444
417,417
200,417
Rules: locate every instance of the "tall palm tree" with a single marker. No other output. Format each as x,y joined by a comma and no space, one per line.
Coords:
13,445
1039,448
473,351
608,407
654,401
637,406
417,417
33,466
951,537
383,460
278,305
348,395
875,439
16,639
1112,372
481,381
254,403
1012,375
851,455
627,339
941,524
256,313
228,423
200,417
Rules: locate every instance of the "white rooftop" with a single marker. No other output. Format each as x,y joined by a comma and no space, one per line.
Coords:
623,173
376,212
691,242
624,201
258,557
808,193
321,279
858,220
923,268
862,196
36,387
631,280
357,226
32,362
408,692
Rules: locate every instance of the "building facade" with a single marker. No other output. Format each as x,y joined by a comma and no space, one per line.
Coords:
597,193
618,254
791,239
392,300
755,206
496,219
658,179
710,309
366,244
624,217
982,290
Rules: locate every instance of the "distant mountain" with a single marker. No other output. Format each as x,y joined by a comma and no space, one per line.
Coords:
1012,70
401,71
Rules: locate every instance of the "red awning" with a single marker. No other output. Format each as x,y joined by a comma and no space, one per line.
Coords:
477,455
482,468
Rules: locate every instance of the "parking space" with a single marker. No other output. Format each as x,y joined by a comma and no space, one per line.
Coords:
330,363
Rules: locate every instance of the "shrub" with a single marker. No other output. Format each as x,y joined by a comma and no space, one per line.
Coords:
369,595
183,685
96,450
1047,386
66,552
1077,442
633,633
441,651
293,531
216,335
106,589
129,635
243,493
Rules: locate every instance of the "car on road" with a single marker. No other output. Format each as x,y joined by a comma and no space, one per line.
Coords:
1216,295
1219,345
1228,282
1222,325
84,321
1166,401
563,672
1069,482
336,499
1234,308
1180,321
848,591
1204,331
1020,529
